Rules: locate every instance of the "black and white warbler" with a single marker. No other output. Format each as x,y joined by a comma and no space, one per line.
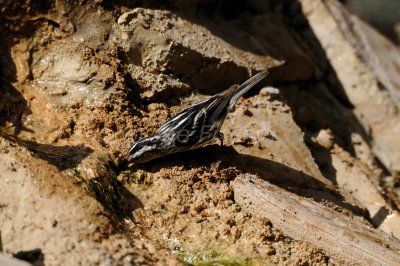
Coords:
194,126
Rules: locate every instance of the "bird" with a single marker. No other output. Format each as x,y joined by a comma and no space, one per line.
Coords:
193,127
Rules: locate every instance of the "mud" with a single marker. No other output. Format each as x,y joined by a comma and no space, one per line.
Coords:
80,82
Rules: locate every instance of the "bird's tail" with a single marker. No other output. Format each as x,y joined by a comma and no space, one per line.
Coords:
245,86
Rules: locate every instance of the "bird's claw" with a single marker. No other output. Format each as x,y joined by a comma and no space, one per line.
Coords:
220,136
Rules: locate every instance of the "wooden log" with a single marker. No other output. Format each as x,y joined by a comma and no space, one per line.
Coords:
340,237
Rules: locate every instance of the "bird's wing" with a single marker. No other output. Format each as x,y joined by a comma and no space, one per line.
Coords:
202,120
194,125
182,118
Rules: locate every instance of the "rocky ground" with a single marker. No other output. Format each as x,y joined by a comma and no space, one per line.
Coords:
317,142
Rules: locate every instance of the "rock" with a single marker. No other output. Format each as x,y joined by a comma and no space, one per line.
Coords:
366,64
278,147
325,138
159,47
96,173
157,87
73,77
269,91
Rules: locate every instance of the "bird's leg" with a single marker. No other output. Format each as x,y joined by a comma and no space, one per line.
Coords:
220,136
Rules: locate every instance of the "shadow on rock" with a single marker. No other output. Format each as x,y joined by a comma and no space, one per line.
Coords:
129,202
96,172
13,105
276,173
35,256
63,157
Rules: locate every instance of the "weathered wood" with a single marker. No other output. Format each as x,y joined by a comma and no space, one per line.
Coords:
339,236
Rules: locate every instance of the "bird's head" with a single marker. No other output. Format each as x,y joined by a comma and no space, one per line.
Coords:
145,150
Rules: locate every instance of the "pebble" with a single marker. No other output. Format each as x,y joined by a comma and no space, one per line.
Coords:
268,91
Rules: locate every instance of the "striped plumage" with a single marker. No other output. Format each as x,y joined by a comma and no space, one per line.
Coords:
194,126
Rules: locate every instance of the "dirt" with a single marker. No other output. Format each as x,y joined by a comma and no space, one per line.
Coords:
80,82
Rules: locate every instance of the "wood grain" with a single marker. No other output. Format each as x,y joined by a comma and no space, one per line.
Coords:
339,236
